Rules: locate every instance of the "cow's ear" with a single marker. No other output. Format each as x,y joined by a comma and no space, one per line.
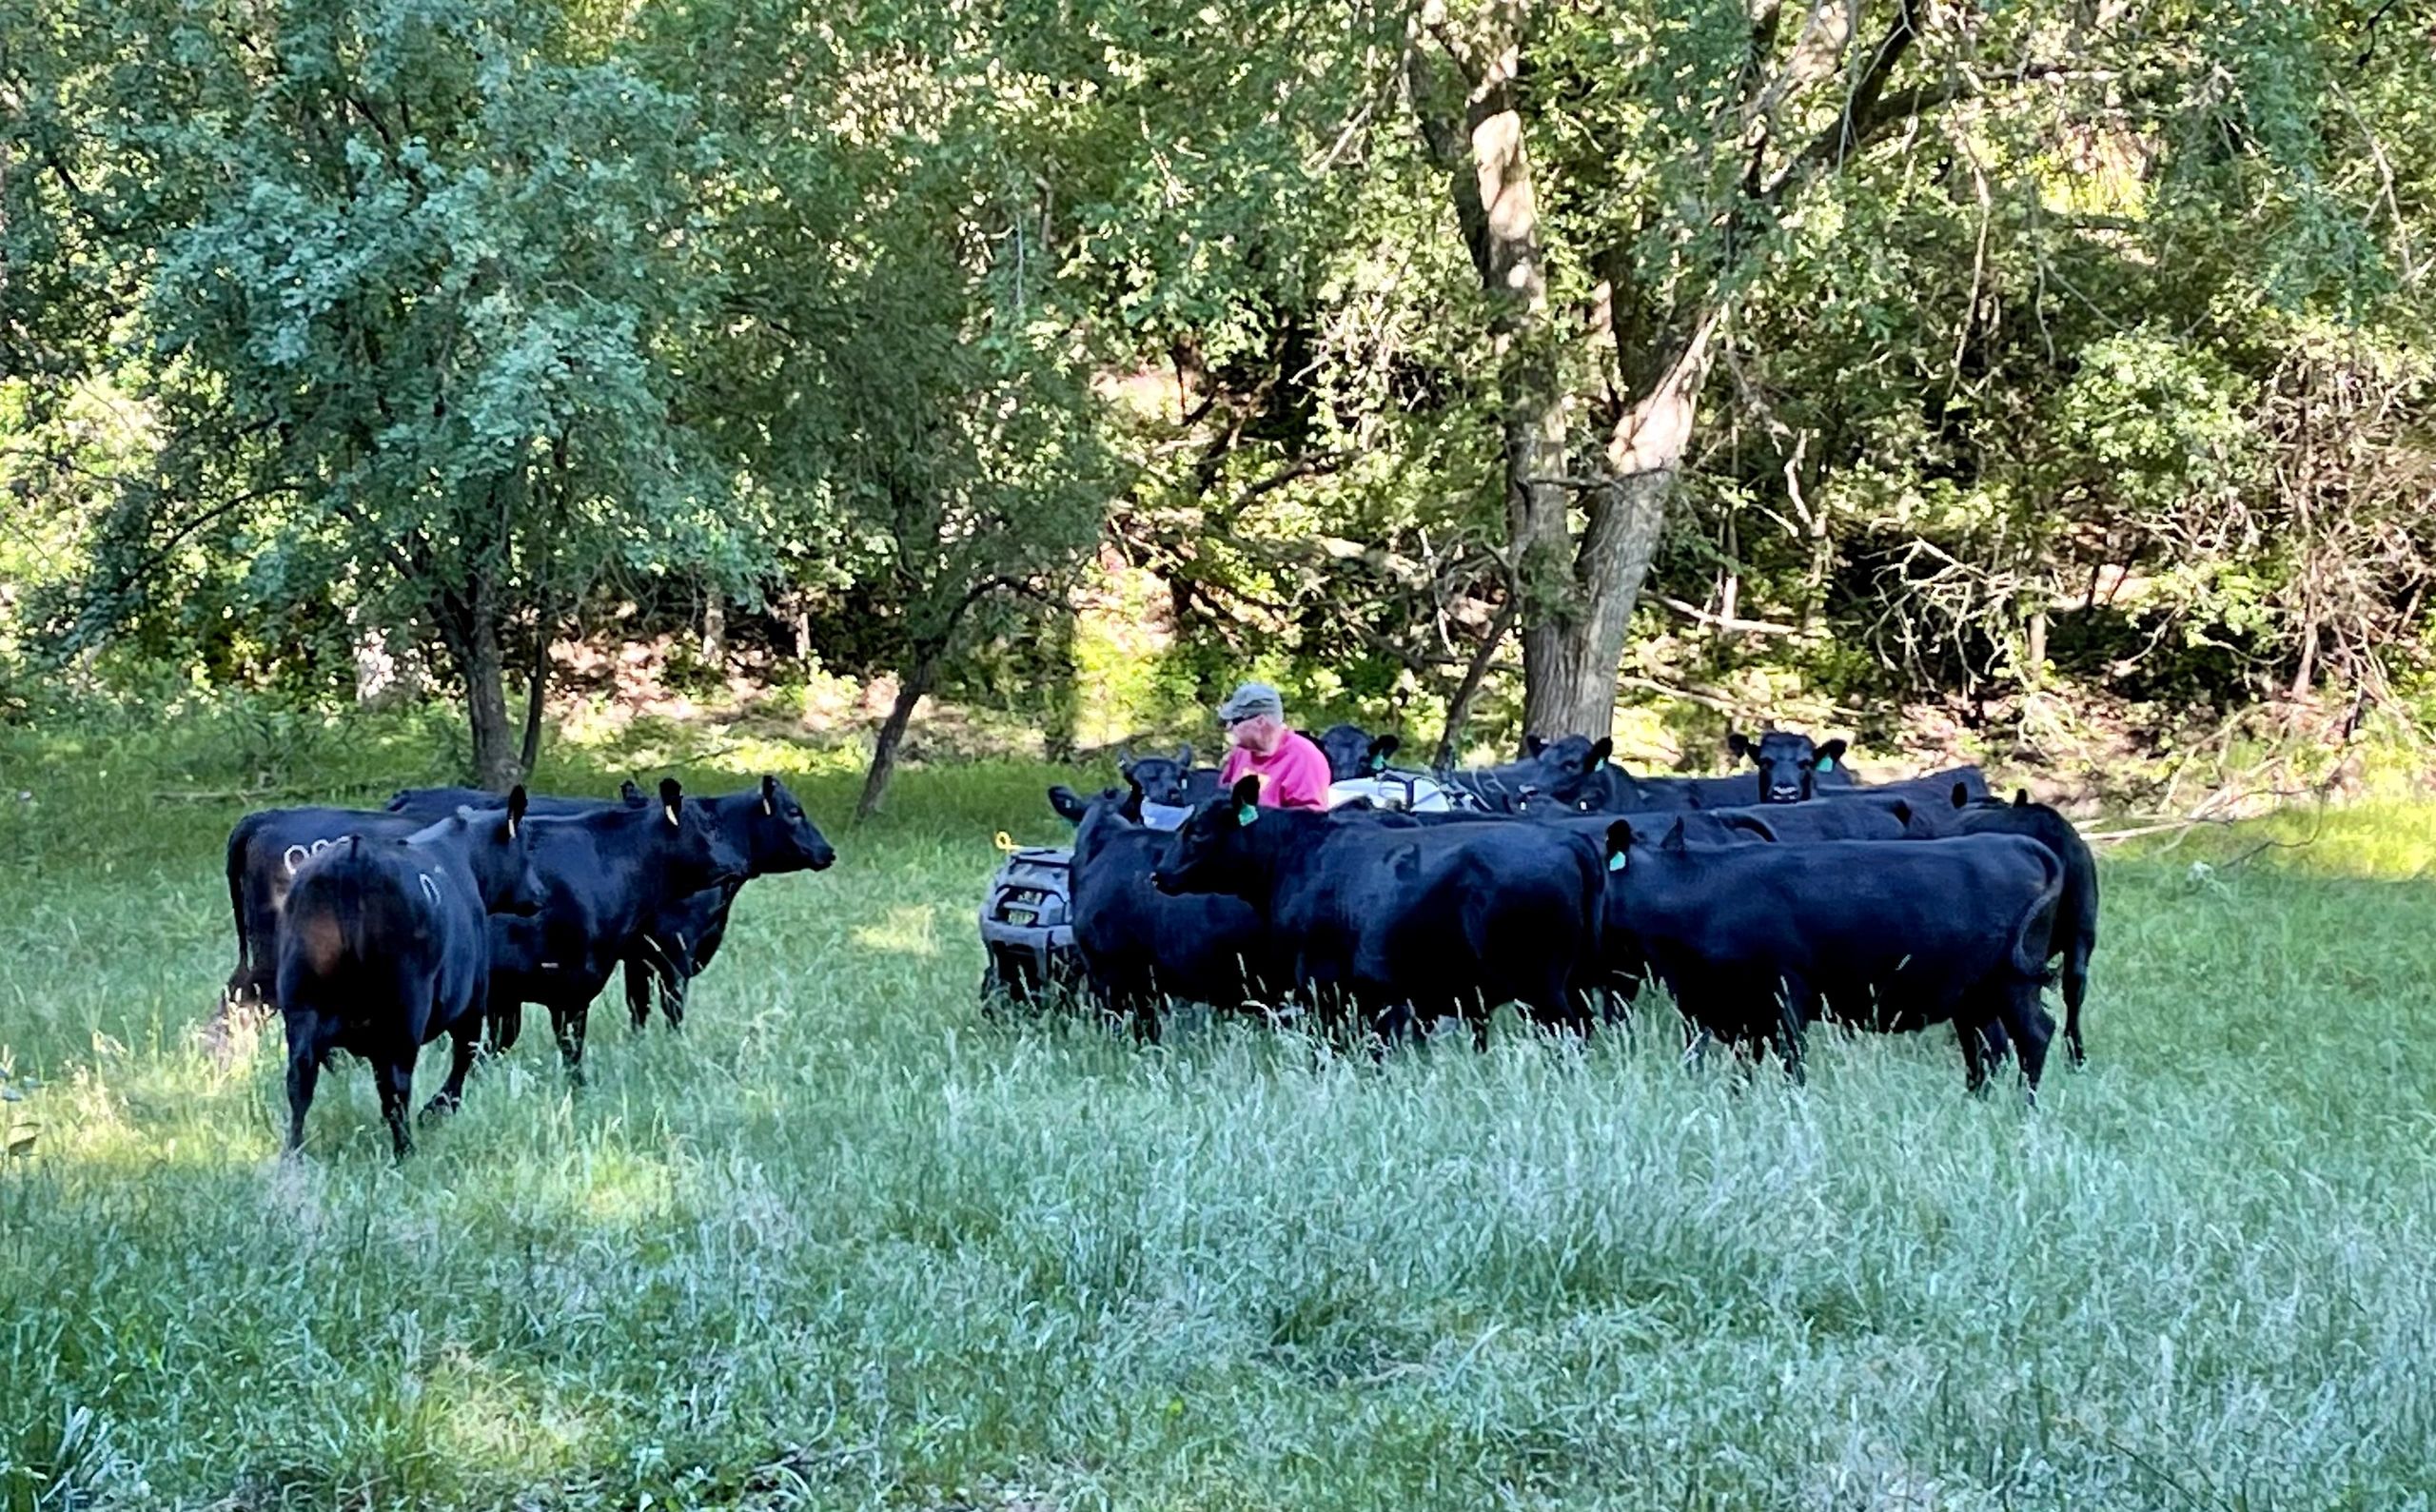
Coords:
1739,743
1130,805
1068,803
1675,838
1246,796
1381,749
2021,797
632,792
672,797
1962,795
1598,755
1901,809
769,793
1751,824
1532,746
516,803
1184,757
1830,754
1620,841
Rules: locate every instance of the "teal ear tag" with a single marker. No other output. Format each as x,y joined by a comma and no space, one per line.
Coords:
1826,763
1615,862
1378,764
1599,765
1247,813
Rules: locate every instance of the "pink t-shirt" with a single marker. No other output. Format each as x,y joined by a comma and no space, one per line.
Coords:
1295,776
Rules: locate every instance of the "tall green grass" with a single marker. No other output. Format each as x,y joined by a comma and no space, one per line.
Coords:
846,1241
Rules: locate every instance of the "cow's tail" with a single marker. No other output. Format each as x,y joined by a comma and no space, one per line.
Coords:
2036,929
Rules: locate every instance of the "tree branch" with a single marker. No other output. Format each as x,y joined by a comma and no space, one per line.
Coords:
1855,130
1717,621
1853,123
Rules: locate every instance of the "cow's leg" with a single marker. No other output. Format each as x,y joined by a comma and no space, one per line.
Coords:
502,1024
2076,986
2000,1044
675,978
1794,1010
304,1072
395,1075
465,1041
639,984
568,1024
1973,1040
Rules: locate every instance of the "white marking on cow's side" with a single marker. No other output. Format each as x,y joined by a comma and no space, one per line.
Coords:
430,887
296,856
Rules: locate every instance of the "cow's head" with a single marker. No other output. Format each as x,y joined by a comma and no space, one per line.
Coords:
1789,762
498,850
780,836
1573,779
1353,753
697,854
1162,780
1212,850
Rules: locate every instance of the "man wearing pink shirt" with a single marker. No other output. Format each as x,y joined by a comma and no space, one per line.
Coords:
1292,773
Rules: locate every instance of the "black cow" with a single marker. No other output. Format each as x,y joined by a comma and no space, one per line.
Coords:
1173,782
267,847
605,876
1756,941
1554,774
1929,791
1353,752
384,947
1407,921
776,836
2076,935
1792,765
265,852
1143,947
765,824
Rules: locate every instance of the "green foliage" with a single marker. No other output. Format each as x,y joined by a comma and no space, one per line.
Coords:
2071,350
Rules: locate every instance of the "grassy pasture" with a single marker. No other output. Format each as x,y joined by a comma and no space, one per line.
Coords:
845,1243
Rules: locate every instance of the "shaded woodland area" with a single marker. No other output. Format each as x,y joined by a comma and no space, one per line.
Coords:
1444,360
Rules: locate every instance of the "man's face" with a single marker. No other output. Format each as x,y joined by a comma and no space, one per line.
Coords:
1258,734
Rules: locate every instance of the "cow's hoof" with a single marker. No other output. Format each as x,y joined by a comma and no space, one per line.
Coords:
440,1108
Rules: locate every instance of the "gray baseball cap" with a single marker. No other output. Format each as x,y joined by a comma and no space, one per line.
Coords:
1250,699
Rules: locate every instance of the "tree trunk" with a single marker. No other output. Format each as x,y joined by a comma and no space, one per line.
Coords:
535,687
469,625
892,733
713,630
1576,598
1569,661
484,671
1496,206
1458,708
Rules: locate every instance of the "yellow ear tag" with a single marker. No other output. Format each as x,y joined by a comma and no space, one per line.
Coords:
1005,842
